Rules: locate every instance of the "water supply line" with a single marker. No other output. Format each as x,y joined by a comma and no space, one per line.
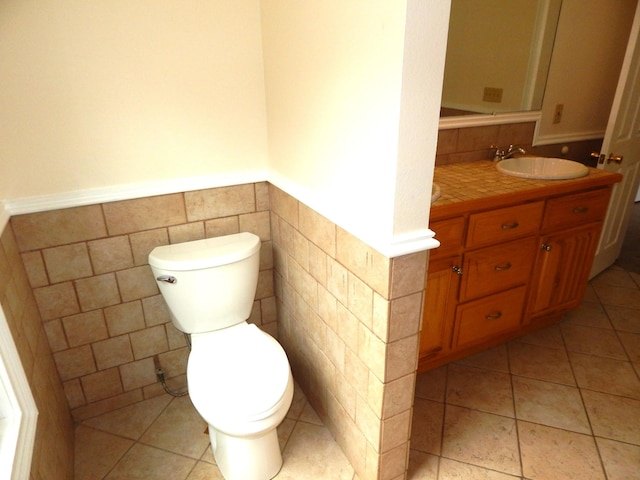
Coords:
160,373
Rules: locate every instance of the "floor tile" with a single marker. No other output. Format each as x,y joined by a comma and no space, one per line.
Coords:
593,341
550,404
542,363
552,453
546,337
423,466
589,314
97,452
179,429
621,460
631,343
480,389
307,452
205,471
624,319
453,470
132,421
619,296
147,463
612,417
426,428
492,359
482,439
596,373
431,385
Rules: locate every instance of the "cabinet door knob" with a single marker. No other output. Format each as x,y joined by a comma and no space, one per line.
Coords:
493,316
457,270
546,247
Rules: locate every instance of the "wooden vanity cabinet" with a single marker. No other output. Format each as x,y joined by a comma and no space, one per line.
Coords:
570,233
441,292
500,272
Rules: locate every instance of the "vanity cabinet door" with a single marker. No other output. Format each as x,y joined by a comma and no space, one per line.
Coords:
438,310
450,234
562,269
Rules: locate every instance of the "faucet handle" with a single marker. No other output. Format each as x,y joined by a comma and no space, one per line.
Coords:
500,152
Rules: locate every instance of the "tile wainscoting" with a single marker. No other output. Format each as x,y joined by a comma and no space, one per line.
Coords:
53,449
348,317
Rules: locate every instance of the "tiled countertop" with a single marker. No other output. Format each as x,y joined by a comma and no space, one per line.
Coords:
479,185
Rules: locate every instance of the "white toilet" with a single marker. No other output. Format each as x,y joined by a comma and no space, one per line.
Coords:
238,376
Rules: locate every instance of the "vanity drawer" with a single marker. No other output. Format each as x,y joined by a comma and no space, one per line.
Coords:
577,209
504,224
497,268
488,317
450,234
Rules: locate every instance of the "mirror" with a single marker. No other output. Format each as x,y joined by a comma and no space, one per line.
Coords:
498,55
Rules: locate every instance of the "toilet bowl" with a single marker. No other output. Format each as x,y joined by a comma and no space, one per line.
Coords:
238,376
244,402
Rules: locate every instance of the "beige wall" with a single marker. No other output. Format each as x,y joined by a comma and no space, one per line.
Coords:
53,449
489,29
100,306
590,44
352,103
96,94
349,320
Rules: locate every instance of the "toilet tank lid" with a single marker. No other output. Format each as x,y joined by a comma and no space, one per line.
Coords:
206,253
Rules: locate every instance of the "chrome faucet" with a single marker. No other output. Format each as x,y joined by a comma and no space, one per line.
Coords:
502,154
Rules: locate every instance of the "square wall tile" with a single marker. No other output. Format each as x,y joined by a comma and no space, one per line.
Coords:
220,202
97,292
58,227
129,216
135,283
85,328
67,262
101,385
124,318
57,301
75,362
113,352
110,254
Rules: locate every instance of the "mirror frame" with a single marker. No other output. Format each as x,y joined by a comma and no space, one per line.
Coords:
447,123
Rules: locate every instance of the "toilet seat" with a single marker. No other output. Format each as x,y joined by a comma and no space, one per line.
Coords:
238,373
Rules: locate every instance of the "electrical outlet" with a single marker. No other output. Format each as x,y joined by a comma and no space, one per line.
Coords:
493,95
557,114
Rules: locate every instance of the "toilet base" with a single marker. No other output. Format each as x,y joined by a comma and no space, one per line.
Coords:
246,458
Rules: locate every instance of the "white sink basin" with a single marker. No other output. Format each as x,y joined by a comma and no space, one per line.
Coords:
435,192
544,168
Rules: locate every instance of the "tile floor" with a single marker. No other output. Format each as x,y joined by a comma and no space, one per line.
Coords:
563,403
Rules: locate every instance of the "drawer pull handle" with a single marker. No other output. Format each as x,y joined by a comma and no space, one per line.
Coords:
502,268
581,210
493,316
510,226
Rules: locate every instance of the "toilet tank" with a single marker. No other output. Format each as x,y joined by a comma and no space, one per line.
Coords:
208,284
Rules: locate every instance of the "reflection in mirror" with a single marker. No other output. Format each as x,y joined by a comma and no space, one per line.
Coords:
498,55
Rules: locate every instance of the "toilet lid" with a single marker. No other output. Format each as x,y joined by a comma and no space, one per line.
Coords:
239,371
